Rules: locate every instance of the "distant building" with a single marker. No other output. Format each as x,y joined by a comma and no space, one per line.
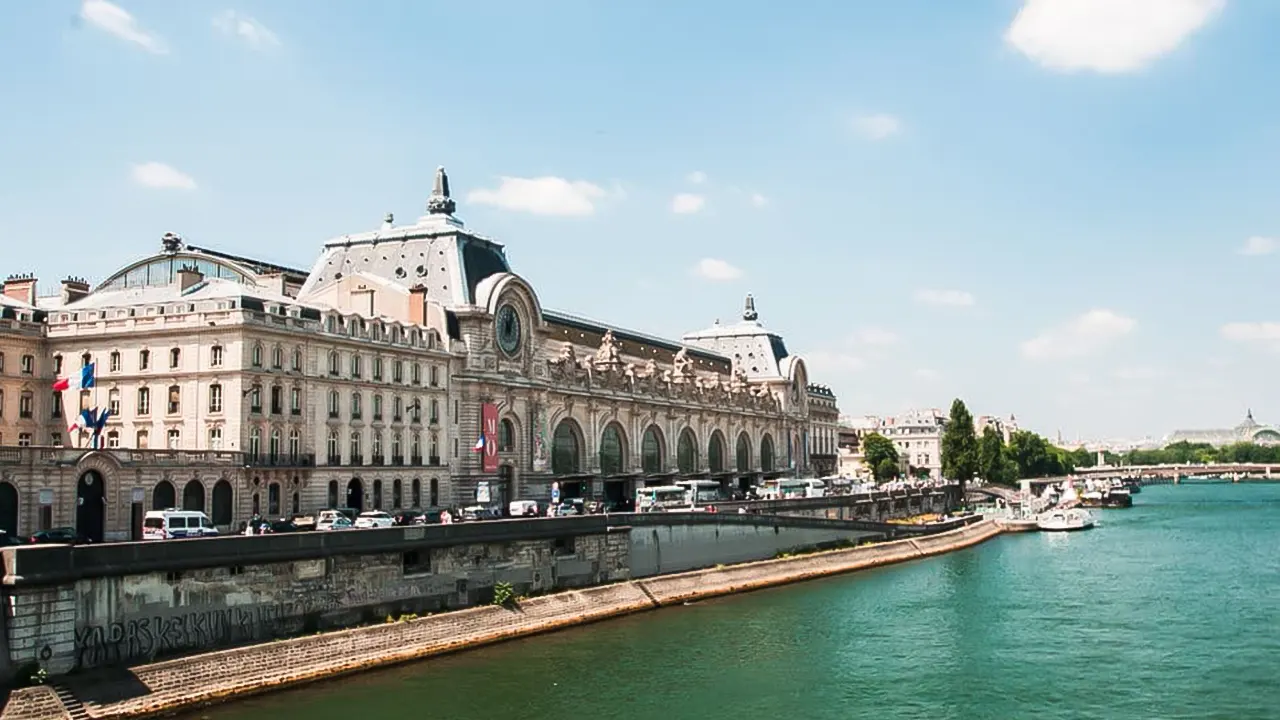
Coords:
1006,428
1247,431
918,436
824,427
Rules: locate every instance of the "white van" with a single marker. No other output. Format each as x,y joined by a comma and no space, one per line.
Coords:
170,524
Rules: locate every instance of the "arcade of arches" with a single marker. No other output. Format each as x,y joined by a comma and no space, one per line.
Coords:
619,475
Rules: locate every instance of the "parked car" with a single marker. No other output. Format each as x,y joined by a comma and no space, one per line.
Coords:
406,517
174,524
333,520
6,539
523,508
429,517
374,519
60,536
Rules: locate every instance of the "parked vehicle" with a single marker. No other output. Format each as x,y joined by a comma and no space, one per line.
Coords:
59,536
174,524
406,517
374,519
333,520
429,517
523,508
6,539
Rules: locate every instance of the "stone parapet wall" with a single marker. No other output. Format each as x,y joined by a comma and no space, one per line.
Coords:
168,686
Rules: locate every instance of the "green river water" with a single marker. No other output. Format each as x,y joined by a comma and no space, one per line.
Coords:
1170,609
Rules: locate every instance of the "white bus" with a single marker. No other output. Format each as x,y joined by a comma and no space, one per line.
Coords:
661,497
785,489
701,492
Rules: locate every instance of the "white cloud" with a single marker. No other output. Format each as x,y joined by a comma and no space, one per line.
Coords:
159,175
247,29
1266,334
758,200
1105,36
879,126
927,374
541,196
827,362
877,336
117,21
716,270
1259,246
687,203
948,298
1080,336
697,177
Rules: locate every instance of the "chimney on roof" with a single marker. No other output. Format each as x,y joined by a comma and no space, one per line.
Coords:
189,277
21,288
418,304
74,288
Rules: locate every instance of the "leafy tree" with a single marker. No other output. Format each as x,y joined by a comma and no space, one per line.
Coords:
959,446
994,464
886,469
879,454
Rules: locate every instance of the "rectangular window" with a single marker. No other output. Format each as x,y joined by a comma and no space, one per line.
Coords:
175,400
28,364
24,439
397,371
144,359
144,401
56,406
26,406
377,368
295,401
435,376
417,374
215,398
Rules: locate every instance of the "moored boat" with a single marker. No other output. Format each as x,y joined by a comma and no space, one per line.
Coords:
1065,520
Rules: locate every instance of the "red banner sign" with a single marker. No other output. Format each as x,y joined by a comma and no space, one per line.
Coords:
489,429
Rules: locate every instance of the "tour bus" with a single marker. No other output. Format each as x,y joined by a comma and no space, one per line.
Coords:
172,524
661,498
701,492
786,489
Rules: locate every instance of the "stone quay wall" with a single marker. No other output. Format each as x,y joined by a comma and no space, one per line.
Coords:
164,687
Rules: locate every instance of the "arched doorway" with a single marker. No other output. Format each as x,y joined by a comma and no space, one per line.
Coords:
566,456
355,495
193,496
742,461
766,453
715,453
687,453
613,462
221,503
651,451
163,496
9,509
91,505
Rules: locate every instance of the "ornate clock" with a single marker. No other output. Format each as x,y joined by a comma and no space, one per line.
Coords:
508,329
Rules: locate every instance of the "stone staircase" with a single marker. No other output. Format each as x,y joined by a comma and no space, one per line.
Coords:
75,708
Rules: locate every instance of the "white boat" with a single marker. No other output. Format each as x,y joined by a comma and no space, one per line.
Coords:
1065,520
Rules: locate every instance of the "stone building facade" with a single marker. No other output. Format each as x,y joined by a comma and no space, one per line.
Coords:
824,431
409,368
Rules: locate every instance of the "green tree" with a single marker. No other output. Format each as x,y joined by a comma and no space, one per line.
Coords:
959,446
886,469
994,464
879,454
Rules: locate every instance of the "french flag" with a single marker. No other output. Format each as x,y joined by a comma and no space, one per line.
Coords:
479,446
83,381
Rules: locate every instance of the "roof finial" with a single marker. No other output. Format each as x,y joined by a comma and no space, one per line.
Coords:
440,203
1249,413
749,309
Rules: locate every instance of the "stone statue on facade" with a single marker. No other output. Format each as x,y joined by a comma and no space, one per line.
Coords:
608,355
682,367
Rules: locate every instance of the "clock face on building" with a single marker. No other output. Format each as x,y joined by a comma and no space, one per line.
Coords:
508,328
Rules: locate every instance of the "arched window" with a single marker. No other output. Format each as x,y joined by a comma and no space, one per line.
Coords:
163,496
766,453
355,365
193,496
222,503
506,436
297,359
612,450
397,494
255,357
255,442
355,406
435,492
377,494
277,357
715,453
275,446
295,444
335,453
175,358
687,452
566,449
335,403
744,453
417,492
333,494
215,356
273,499
356,458
651,450
335,363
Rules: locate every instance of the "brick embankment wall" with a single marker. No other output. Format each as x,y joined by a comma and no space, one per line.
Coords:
168,686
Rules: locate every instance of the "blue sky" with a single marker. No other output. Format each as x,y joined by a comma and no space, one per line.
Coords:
1061,209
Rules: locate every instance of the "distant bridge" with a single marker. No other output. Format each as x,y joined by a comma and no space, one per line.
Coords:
1174,473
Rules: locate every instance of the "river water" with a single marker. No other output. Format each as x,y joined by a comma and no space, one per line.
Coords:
1170,609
